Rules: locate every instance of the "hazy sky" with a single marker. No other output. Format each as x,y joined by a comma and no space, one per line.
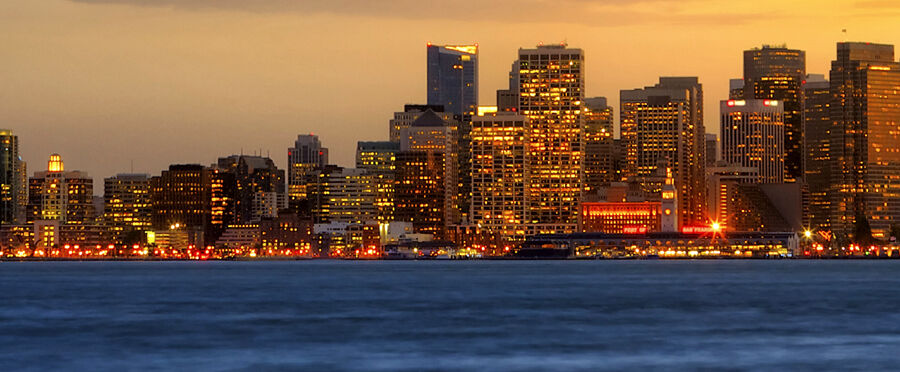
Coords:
108,82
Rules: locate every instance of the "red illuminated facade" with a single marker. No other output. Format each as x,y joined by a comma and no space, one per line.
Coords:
620,218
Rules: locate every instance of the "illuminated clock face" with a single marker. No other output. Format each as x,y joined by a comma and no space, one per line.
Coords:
667,211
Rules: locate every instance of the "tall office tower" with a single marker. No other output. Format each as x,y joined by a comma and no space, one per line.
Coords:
453,84
816,136
712,149
598,143
306,156
865,112
777,73
498,174
379,159
258,188
126,210
453,78
410,113
11,186
427,183
190,197
753,136
736,89
551,93
343,195
662,128
60,195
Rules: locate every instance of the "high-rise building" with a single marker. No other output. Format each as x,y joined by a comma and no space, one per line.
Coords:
662,128
498,174
453,78
777,73
306,156
816,137
753,136
865,112
345,195
598,144
259,190
427,175
127,212
191,197
13,190
551,93
60,195
379,160
410,113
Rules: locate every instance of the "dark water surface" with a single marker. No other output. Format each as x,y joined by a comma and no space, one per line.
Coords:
450,316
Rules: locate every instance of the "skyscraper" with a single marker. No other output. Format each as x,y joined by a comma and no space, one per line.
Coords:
258,189
598,143
191,197
60,195
753,136
865,112
127,211
662,128
379,160
551,91
498,174
306,156
777,73
13,191
343,195
817,137
427,175
453,78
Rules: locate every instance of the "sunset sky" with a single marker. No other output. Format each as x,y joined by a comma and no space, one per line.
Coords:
108,82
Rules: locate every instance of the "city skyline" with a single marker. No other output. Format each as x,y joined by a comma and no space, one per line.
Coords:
133,75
